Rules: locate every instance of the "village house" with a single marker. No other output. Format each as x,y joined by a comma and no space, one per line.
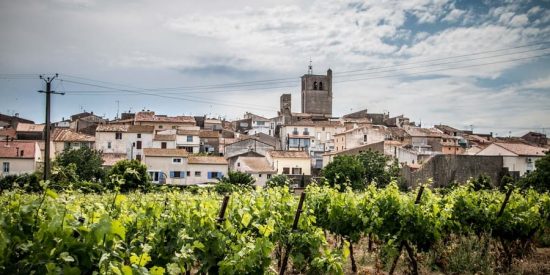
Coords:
128,140
517,157
258,167
358,136
209,142
166,166
67,139
212,124
19,157
29,131
292,163
314,137
164,140
249,147
536,139
86,122
163,122
189,140
206,169
12,121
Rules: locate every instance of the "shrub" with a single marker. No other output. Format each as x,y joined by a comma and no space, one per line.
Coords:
238,178
132,175
88,163
279,181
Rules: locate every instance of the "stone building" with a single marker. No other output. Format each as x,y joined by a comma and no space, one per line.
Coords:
317,93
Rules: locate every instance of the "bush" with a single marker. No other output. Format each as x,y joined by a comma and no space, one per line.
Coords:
345,170
238,178
132,175
88,163
279,181
27,182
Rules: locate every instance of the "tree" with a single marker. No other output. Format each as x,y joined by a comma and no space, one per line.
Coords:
87,163
238,178
375,168
132,174
540,178
345,171
279,181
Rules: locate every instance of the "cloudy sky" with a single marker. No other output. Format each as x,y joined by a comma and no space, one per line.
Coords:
480,64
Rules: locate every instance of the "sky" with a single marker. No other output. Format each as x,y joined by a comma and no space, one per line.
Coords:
481,65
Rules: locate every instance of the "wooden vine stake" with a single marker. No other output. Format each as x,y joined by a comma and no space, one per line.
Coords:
404,243
294,228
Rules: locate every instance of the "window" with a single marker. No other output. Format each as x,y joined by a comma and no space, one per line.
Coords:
188,149
160,126
174,127
188,173
22,153
315,85
306,131
286,170
260,123
138,157
197,173
268,176
320,85
295,132
214,175
177,174
6,167
138,144
238,164
109,145
163,145
176,160
365,138
118,135
259,175
296,171
138,135
189,138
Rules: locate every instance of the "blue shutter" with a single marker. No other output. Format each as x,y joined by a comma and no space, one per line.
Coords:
172,174
220,175
182,174
209,175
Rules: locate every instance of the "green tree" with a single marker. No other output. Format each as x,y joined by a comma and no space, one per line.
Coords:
375,164
238,178
482,182
131,174
540,178
279,181
87,163
345,171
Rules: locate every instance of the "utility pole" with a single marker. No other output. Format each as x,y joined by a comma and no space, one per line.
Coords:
48,93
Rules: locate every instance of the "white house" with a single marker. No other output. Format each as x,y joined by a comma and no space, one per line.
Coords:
124,139
69,139
164,141
188,140
19,157
290,162
206,169
258,167
517,157
359,136
166,165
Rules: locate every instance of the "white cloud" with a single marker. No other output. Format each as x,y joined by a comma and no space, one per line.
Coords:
454,15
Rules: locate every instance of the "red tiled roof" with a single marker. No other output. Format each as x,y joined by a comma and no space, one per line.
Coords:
151,117
28,127
521,149
125,128
288,154
256,164
14,149
209,134
70,135
206,160
164,137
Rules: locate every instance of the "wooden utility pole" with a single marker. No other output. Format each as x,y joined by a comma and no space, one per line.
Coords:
47,130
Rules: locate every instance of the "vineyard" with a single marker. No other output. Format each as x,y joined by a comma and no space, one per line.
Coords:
259,231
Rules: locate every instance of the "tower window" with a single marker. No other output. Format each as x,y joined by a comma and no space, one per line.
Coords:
320,85
315,85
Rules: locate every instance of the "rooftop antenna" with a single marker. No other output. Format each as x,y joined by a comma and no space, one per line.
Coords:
310,67
117,108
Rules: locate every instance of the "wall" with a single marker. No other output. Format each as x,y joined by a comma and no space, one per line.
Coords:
124,145
280,163
18,166
165,164
520,164
204,169
245,146
444,169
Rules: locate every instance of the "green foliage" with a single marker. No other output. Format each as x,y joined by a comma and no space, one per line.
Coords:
375,167
26,182
129,175
345,171
238,178
482,182
279,181
87,163
540,178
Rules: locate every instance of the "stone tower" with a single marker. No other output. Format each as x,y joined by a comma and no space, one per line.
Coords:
286,108
317,93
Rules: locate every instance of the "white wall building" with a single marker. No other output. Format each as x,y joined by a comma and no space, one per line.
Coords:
19,157
517,157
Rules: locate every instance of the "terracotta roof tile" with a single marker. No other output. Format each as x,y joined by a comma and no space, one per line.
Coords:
206,160
164,137
157,152
256,164
28,127
288,154
70,135
188,132
13,150
209,134
125,128
521,149
151,117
